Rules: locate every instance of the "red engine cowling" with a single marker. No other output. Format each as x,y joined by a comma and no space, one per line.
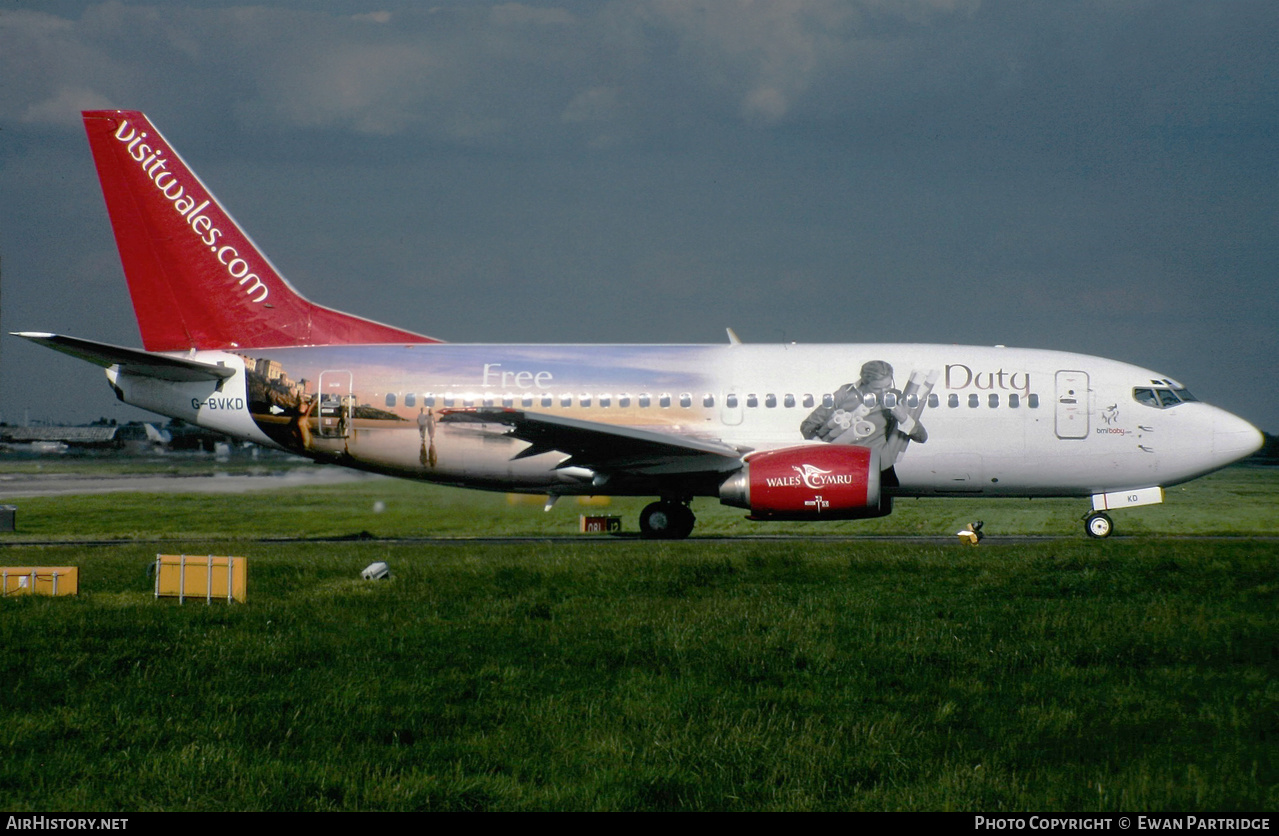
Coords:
813,482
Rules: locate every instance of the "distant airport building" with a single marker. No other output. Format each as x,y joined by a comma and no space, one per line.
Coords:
135,435
51,439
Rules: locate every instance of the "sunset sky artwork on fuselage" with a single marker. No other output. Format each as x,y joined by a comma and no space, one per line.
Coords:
393,384
341,390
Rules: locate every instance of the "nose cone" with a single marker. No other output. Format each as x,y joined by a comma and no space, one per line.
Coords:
1233,438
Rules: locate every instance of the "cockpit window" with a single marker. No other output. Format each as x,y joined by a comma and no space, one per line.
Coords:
1161,397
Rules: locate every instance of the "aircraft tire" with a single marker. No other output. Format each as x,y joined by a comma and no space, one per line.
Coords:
1098,526
666,521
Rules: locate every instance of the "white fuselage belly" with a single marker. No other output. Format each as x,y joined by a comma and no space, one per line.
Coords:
992,421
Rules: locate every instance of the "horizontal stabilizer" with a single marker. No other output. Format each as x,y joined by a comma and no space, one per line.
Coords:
130,360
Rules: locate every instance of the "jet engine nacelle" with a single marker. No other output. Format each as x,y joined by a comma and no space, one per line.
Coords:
812,482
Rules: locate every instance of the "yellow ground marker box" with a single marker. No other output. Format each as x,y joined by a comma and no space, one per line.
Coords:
209,577
40,580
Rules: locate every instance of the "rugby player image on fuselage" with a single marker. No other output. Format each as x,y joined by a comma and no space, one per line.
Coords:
872,413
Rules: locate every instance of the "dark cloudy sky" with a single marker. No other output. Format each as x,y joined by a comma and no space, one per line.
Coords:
1100,177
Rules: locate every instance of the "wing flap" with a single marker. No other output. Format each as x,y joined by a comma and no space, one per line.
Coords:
604,447
130,360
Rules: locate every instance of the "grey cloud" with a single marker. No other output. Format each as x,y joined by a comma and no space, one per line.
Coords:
518,14
47,69
463,73
763,55
63,107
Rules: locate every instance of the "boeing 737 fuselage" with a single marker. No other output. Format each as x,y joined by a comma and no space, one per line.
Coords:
789,432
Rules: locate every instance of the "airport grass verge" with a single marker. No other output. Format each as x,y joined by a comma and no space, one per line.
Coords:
1066,675
1238,501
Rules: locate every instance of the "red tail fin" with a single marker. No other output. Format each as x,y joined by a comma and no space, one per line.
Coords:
196,279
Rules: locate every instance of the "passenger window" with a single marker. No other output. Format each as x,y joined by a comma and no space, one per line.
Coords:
664,401
890,400
1014,400
993,401
1032,401
606,401
566,400
952,400
708,400
584,400
526,401
623,401
752,401
789,401
770,401
686,400
644,401
429,400
548,400
912,400
828,400
410,399
974,401
390,399
449,400
488,401
731,401
808,402
933,402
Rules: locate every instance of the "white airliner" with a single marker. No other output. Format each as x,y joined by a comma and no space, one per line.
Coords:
790,432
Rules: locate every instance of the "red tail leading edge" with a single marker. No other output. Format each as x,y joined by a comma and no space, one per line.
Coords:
197,280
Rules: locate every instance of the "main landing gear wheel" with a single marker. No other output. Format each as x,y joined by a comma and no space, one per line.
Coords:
666,520
1098,525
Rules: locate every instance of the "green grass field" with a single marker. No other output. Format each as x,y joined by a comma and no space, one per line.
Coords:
1239,501
1138,673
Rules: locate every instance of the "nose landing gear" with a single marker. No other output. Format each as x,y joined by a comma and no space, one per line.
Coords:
1098,525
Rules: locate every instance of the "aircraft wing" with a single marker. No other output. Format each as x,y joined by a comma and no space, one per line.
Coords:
604,447
130,360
